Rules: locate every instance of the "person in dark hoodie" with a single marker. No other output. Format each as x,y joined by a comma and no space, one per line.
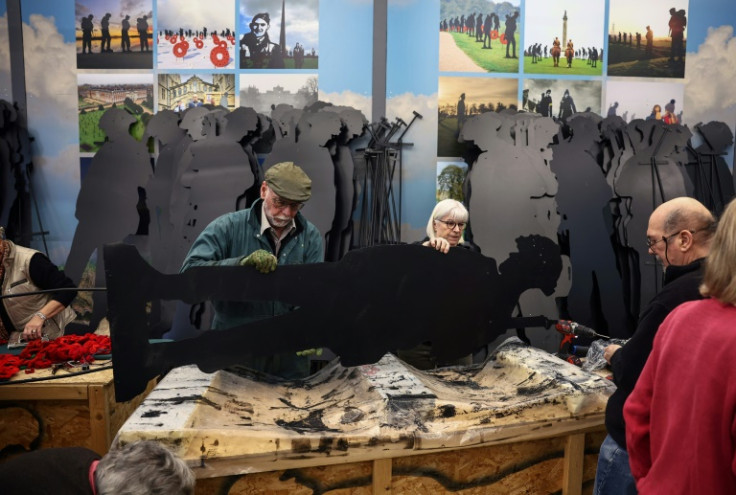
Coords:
679,234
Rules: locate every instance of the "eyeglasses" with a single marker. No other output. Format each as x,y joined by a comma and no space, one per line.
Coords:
451,224
281,204
666,238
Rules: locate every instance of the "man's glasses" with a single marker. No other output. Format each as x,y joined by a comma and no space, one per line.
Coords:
666,238
451,224
282,204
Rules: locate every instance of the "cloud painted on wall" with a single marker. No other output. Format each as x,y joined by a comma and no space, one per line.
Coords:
51,85
5,82
419,161
709,77
51,88
349,99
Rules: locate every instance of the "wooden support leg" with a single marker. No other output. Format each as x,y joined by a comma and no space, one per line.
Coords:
99,419
382,477
572,478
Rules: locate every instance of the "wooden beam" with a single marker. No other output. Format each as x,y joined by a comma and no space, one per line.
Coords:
382,477
99,419
572,477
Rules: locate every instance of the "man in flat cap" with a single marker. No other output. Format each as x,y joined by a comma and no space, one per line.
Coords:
271,232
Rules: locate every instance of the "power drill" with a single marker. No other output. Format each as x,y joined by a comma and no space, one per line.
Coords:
569,327
569,350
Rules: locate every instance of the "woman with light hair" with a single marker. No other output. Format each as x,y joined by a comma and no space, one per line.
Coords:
446,226
685,399
444,231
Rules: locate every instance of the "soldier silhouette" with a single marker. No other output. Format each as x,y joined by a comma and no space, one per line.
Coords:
87,28
510,34
125,38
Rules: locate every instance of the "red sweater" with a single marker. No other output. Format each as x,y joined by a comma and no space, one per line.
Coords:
681,416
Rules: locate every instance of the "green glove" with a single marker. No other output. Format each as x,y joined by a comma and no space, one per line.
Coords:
264,261
309,352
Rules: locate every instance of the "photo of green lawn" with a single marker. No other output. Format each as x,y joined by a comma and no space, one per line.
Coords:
97,93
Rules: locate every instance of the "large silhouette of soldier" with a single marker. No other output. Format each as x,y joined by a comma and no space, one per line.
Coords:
677,33
106,204
87,28
256,46
106,38
125,41
510,34
595,296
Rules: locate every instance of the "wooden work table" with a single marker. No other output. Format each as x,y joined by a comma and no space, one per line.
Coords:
43,409
524,422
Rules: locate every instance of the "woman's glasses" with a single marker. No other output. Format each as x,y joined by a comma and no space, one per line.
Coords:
451,224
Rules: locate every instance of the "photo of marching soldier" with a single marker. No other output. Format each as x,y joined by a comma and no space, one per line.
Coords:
561,40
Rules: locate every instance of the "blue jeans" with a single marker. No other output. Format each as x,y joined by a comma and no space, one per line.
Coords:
613,476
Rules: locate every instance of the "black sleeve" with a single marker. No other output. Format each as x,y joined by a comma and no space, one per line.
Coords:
46,275
628,362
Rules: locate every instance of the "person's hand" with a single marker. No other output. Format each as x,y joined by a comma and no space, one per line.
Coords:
264,261
440,244
34,328
609,351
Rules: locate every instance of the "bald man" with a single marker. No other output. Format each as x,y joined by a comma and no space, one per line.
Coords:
679,234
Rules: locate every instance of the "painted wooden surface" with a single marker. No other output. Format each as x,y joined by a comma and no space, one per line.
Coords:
523,419
65,411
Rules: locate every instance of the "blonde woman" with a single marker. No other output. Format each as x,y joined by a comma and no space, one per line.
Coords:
446,226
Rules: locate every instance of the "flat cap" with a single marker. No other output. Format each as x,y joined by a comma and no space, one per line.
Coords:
289,182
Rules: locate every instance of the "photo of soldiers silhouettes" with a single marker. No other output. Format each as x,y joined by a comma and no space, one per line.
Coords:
647,39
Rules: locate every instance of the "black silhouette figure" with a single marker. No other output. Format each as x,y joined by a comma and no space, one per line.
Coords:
87,28
125,40
595,296
142,26
487,31
677,24
106,205
344,306
510,34
106,38
567,106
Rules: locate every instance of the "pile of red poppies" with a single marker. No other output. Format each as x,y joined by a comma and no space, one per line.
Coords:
44,354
